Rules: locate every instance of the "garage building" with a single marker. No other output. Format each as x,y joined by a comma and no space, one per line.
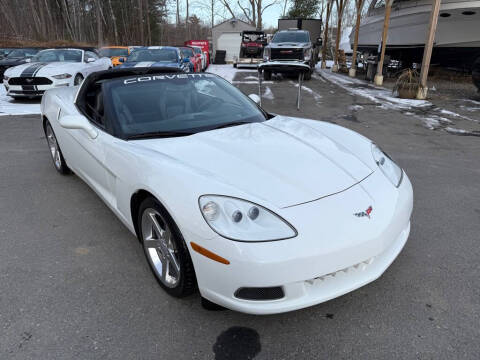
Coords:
226,36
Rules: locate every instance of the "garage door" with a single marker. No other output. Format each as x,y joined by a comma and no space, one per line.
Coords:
230,42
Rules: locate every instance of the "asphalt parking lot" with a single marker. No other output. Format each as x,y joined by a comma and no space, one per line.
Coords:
74,283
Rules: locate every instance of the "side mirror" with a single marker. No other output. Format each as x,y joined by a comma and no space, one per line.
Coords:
27,60
78,122
255,98
89,60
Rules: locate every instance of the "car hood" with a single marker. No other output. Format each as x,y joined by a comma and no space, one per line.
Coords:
282,160
43,68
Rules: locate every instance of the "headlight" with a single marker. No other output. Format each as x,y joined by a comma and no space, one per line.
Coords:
242,220
266,54
391,170
62,76
307,54
5,77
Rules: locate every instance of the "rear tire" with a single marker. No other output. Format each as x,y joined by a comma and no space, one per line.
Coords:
165,249
267,75
307,75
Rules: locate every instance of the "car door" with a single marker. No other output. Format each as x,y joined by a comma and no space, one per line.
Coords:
86,156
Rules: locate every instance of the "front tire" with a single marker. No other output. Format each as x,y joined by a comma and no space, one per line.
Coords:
267,75
165,249
57,156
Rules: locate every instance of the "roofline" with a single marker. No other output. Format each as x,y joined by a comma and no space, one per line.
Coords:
233,18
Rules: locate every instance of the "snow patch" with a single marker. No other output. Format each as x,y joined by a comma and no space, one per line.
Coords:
8,106
227,72
268,94
355,107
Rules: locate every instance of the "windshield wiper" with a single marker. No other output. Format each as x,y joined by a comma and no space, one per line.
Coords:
230,124
159,134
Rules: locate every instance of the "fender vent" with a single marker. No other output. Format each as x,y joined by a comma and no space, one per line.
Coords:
266,293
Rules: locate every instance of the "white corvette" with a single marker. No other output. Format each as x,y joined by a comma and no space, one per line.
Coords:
262,213
52,68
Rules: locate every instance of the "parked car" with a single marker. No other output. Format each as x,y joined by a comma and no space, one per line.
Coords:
157,56
17,57
200,54
289,46
204,46
195,61
52,68
212,186
115,53
4,52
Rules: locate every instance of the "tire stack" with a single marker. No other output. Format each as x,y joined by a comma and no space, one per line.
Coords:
220,56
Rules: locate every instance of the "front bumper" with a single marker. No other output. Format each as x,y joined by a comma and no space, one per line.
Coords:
327,259
285,66
33,90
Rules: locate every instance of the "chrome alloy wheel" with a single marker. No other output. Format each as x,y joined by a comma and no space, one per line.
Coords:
160,247
54,149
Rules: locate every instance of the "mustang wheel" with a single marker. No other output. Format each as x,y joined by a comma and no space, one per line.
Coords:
165,249
78,79
55,151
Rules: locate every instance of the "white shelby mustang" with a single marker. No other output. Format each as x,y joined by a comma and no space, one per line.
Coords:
52,68
261,213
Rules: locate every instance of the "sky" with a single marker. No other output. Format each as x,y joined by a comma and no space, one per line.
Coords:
201,8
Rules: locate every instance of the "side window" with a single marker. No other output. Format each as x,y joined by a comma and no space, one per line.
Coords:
90,54
94,108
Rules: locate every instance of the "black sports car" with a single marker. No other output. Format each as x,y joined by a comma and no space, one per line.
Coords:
17,57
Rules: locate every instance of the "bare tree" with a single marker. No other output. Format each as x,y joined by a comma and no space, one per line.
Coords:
325,34
340,9
359,7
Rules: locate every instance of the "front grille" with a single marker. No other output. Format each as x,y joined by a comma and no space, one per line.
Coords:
29,81
266,293
27,92
287,54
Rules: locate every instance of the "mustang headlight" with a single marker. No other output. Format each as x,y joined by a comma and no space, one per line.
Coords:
62,76
242,220
391,170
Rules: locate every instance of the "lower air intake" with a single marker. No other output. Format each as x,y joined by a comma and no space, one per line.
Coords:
266,293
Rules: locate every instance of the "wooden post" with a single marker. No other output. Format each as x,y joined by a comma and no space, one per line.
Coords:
427,53
325,35
379,76
353,68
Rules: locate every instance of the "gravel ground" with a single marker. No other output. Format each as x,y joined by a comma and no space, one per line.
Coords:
75,285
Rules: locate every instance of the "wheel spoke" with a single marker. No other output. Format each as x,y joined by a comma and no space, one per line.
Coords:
159,245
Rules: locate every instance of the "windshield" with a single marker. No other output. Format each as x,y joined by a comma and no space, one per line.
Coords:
187,52
21,53
109,52
291,36
155,55
177,104
58,55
